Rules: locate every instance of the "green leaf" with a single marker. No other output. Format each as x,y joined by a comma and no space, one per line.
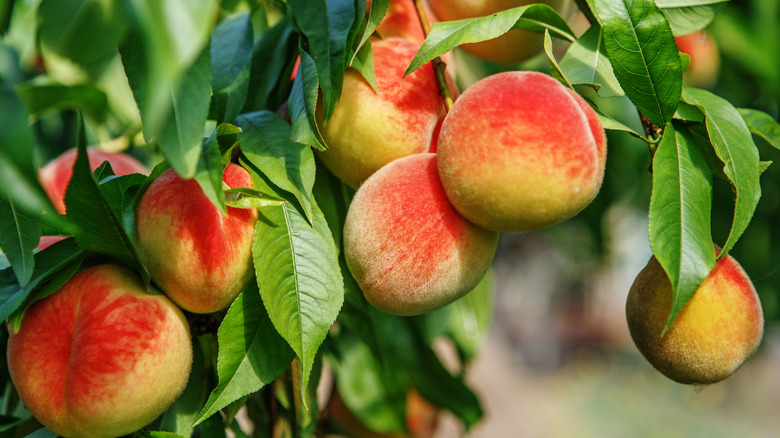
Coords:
326,25
446,35
210,170
272,62
585,63
99,228
437,385
266,143
555,69
363,62
243,197
167,65
762,125
303,105
18,176
644,56
231,57
680,206
48,263
181,138
733,143
305,396
251,352
466,321
85,31
375,16
363,387
688,16
299,278
611,124
41,96
19,235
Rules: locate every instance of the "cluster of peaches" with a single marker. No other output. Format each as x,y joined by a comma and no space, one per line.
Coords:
518,151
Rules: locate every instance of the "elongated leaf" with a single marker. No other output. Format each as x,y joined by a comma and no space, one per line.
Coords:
19,234
762,125
231,56
555,69
299,278
731,139
42,96
446,35
48,263
272,57
585,63
362,385
251,352
303,105
99,229
644,56
242,197
181,138
85,31
18,177
326,25
167,64
688,16
290,166
375,15
680,207
209,173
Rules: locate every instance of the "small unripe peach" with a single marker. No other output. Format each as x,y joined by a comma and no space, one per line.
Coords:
405,244
370,129
519,151
200,258
716,331
101,357
704,67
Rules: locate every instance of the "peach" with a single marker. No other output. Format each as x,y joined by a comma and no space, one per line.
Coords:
56,174
519,151
705,59
101,357
405,244
370,129
200,258
716,331
515,46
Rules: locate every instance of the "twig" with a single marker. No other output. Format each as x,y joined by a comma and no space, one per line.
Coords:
439,66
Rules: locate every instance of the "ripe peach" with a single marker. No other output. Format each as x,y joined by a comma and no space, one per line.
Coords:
199,257
715,332
101,357
405,244
515,46
56,174
370,129
705,60
519,151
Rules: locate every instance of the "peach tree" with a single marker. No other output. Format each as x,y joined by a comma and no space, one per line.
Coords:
193,86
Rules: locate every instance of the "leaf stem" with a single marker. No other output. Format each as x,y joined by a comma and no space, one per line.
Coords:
653,133
439,66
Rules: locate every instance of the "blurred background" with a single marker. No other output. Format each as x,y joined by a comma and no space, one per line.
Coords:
559,361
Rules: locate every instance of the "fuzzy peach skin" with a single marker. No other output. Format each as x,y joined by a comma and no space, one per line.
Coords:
513,47
56,174
405,244
101,357
370,129
704,68
713,335
519,151
199,257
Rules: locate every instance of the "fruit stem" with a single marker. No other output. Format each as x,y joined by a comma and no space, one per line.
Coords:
439,66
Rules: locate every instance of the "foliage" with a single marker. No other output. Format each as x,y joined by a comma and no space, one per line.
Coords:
196,84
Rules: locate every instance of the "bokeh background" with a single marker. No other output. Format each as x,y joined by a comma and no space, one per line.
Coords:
559,361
